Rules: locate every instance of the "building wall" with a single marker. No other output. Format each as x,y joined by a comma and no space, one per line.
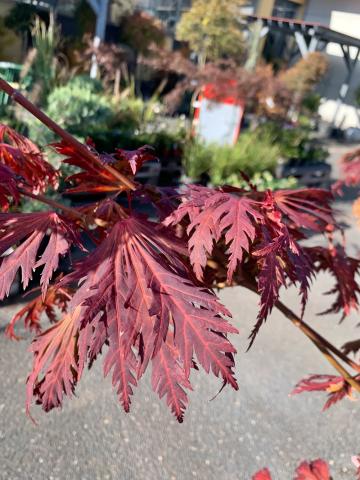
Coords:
168,11
10,43
343,16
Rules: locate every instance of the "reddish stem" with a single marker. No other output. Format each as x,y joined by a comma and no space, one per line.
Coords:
68,139
52,203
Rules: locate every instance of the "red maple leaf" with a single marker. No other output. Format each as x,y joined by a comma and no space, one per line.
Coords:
137,285
31,313
262,475
133,160
265,226
27,231
356,461
54,351
101,176
25,159
8,187
336,387
213,214
307,208
315,470
345,270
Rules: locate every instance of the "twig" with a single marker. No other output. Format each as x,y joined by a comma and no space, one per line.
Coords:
311,333
321,343
68,139
52,203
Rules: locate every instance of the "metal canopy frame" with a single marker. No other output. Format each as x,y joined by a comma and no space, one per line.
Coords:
310,37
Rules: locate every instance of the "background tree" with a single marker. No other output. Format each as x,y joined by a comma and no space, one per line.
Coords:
304,76
212,29
140,30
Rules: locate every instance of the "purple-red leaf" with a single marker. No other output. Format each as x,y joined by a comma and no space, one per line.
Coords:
315,470
25,159
336,387
55,367
137,286
24,232
262,475
212,215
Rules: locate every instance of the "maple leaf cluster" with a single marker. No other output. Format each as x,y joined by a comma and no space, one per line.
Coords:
22,164
315,470
143,291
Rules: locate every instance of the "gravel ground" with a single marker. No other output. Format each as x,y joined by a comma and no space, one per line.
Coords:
228,438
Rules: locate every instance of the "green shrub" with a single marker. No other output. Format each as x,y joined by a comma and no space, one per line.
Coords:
266,180
79,106
254,152
294,142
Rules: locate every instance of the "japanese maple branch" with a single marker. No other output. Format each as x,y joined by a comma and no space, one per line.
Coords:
68,139
315,336
52,203
321,343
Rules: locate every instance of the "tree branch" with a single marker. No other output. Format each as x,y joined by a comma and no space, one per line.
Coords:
321,343
67,138
52,203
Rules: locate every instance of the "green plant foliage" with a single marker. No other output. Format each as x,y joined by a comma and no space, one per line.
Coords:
254,152
311,103
44,68
78,106
295,142
264,181
357,96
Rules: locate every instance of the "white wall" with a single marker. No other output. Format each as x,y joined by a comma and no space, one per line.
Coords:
344,16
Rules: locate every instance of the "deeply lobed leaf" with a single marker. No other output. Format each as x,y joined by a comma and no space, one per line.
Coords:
24,233
26,161
258,232
336,387
136,289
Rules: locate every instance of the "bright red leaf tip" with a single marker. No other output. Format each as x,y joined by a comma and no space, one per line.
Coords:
356,461
344,269
135,158
316,470
136,294
31,313
262,475
24,233
336,387
26,160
